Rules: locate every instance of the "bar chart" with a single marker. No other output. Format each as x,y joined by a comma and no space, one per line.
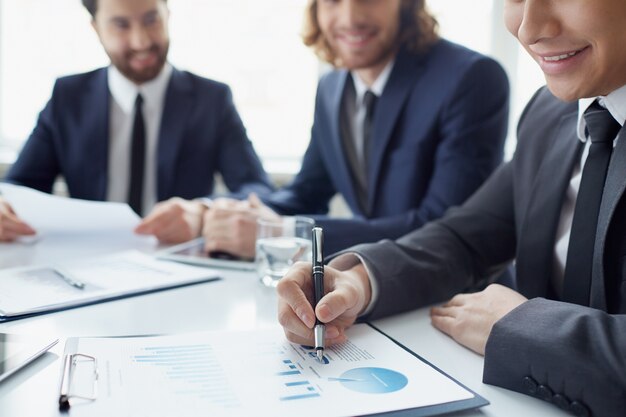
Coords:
193,370
294,385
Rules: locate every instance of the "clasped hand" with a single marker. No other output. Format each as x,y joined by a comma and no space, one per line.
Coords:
230,225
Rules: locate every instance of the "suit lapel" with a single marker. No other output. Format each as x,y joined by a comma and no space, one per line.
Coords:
179,101
613,190
95,175
535,258
407,69
341,167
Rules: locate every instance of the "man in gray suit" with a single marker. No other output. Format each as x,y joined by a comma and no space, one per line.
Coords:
558,208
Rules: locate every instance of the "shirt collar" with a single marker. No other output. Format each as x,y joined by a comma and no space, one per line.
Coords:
377,87
124,91
615,103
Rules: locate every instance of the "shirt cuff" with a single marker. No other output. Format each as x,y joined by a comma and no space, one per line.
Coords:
350,260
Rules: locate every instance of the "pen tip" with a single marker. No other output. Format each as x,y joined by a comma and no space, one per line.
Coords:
320,355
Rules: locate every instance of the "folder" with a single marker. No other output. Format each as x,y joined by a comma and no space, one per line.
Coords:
28,291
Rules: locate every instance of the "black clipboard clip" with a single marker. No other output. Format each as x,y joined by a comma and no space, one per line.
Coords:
71,360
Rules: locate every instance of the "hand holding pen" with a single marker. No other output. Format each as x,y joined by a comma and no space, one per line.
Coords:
347,295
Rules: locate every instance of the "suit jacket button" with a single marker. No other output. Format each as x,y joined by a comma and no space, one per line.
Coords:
579,409
544,392
530,385
561,401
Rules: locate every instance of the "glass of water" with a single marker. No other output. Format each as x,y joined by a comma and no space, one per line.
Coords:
280,244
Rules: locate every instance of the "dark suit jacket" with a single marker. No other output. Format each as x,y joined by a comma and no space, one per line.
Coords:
570,354
437,135
201,134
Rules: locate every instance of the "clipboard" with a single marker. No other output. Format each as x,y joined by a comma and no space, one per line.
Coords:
295,375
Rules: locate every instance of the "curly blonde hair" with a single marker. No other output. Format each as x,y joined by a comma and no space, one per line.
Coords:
418,30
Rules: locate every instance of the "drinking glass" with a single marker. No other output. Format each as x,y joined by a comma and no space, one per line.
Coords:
279,244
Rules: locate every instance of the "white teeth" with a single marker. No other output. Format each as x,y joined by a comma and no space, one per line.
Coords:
355,38
559,57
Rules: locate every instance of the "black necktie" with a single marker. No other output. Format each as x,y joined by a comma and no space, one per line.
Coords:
602,129
369,100
137,159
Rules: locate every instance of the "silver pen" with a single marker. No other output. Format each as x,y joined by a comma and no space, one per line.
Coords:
318,284
68,280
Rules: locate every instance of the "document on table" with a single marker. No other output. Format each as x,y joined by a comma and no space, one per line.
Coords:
25,291
50,214
259,373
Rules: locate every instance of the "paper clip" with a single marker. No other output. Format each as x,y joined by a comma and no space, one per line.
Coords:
66,380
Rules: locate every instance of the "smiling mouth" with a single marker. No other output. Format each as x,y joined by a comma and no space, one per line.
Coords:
356,38
561,57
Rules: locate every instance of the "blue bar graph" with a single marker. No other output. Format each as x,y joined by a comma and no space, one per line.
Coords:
299,397
297,383
295,388
288,373
194,369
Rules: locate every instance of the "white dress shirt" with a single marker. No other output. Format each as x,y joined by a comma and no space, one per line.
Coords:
122,115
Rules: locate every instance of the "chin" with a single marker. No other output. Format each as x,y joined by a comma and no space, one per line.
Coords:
144,75
566,91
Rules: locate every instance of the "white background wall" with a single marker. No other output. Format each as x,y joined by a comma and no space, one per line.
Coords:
252,45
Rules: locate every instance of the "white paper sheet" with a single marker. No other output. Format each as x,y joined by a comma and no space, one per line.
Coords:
40,288
258,373
50,214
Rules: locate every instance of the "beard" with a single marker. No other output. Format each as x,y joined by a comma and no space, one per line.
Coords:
123,64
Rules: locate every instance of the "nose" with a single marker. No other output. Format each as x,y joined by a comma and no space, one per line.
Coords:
538,22
351,13
139,38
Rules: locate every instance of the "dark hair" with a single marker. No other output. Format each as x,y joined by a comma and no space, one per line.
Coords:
92,6
418,29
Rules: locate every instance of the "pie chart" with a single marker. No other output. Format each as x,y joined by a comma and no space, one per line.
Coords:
373,380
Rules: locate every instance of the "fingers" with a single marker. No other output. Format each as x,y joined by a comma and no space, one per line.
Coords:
297,338
338,309
224,203
333,336
344,298
173,221
158,223
11,226
254,200
446,318
155,221
232,231
444,311
292,291
459,300
443,323
295,312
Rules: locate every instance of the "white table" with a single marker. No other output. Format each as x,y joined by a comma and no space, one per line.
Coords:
237,302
